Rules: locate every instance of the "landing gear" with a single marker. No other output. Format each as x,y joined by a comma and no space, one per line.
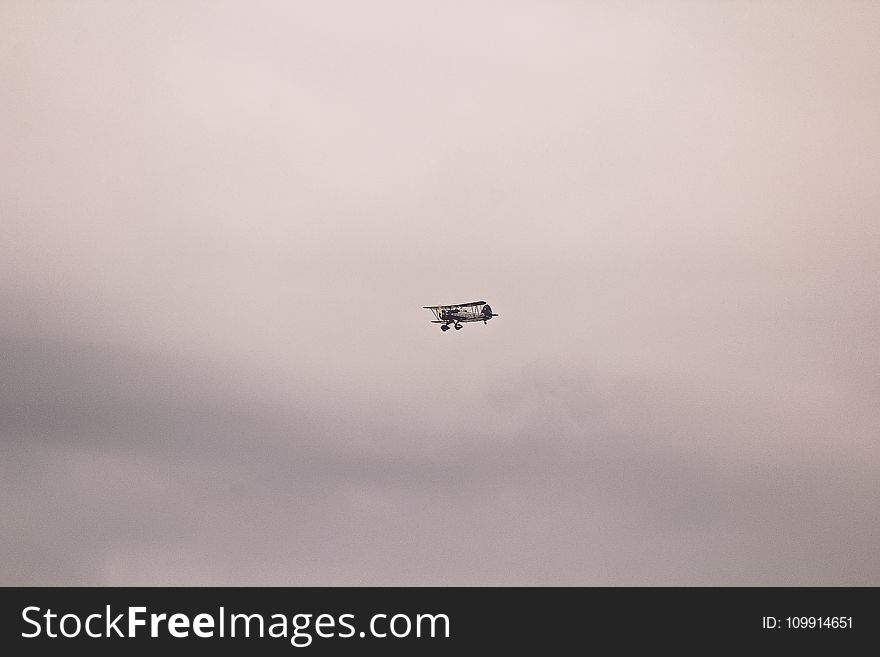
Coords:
458,327
444,328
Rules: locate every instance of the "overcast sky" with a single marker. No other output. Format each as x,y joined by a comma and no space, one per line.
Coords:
219,223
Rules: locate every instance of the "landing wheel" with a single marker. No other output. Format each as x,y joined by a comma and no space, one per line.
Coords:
444,328
458,327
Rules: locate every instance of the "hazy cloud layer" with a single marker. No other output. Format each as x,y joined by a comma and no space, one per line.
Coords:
218,225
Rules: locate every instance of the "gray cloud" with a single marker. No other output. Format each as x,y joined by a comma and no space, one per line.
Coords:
219,227
169,488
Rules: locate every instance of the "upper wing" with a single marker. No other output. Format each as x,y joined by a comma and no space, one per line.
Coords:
457,305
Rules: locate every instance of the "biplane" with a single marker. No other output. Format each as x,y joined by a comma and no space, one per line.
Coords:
459,313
